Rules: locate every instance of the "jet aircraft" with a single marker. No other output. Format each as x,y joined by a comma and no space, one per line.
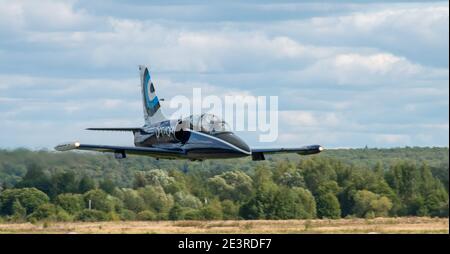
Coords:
197,137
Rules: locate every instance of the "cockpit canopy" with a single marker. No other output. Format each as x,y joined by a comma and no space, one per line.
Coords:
207,123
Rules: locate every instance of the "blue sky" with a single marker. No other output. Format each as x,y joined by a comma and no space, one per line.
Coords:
348,74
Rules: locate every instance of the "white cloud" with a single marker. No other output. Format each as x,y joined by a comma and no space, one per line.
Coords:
419,30
172,48
370,69
393,139
379,64
302,119
11,16
42,15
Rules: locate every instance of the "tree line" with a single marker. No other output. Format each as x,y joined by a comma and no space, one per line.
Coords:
366,183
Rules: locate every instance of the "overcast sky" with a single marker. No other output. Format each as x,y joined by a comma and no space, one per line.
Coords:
347,74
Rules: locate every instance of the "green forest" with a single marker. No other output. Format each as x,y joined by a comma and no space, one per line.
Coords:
338,183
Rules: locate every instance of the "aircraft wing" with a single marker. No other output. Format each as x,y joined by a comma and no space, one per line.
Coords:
121,151
258,153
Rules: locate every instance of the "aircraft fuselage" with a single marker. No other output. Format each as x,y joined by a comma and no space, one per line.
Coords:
196,145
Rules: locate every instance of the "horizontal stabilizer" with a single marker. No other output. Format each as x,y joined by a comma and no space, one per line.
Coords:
134,129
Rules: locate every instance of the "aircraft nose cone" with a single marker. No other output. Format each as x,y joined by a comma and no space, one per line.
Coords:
234,140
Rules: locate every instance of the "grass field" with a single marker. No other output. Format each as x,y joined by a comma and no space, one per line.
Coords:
363,226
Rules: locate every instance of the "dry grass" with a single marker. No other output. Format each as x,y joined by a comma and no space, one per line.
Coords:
363,226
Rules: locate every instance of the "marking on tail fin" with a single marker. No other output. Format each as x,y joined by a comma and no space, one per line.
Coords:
151,105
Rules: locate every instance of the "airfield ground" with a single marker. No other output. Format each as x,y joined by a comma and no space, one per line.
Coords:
363,226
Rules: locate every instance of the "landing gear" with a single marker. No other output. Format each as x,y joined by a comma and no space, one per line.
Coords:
120,155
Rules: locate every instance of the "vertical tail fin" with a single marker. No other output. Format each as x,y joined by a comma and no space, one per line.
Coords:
152,107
